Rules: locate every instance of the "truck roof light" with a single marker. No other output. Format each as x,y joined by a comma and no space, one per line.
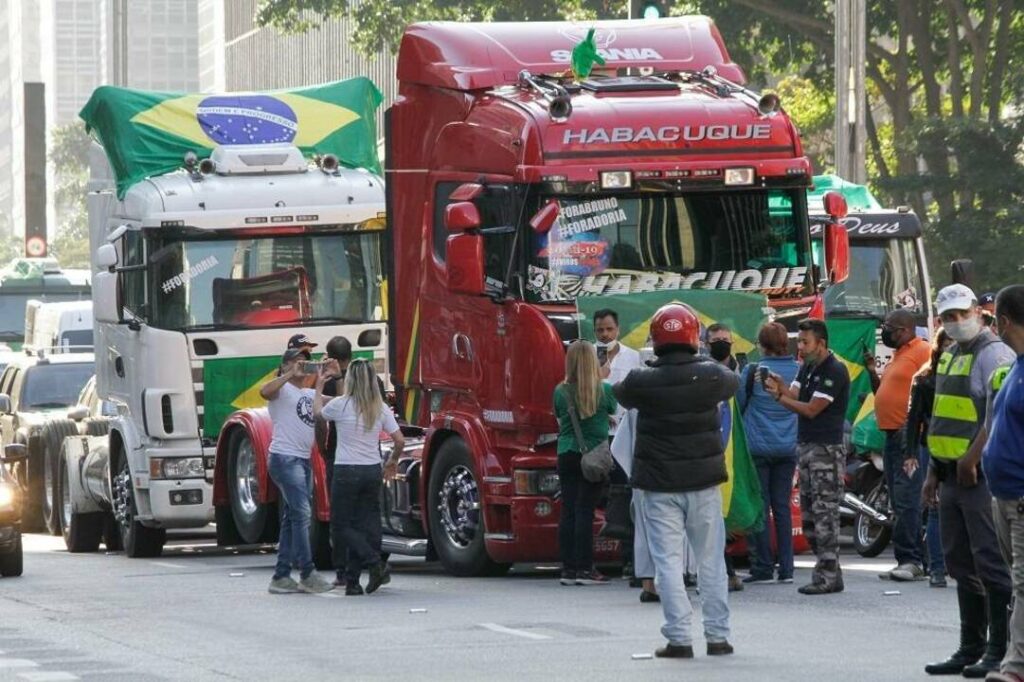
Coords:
769,104
739,176
207,167
616,179
328,163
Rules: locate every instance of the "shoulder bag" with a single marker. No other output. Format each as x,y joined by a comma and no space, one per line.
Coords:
596,463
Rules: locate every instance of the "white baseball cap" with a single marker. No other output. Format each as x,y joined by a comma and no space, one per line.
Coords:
955,297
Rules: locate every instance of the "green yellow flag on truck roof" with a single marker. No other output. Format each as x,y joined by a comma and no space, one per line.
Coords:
584,56
148,133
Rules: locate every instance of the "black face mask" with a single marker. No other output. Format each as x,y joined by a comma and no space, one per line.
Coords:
888,339
720,350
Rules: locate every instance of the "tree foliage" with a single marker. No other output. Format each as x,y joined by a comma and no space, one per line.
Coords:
69,154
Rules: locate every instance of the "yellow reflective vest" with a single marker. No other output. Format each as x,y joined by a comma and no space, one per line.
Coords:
956,415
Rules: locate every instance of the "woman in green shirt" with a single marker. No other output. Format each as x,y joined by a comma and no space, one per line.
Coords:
595,405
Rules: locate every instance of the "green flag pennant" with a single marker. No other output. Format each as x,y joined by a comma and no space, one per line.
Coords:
849,339
584,56
145,133
742,501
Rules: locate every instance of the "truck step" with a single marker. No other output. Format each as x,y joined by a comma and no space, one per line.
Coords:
404,546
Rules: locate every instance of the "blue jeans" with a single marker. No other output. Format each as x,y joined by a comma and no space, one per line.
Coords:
294,480
776,474
905,494
672,518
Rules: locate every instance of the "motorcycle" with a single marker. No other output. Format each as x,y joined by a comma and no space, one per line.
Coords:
866,499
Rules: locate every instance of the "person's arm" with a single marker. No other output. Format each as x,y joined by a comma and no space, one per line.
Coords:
741,395
967,466
806,410
611,405
872,370
270,389
623,392
390,425
318,396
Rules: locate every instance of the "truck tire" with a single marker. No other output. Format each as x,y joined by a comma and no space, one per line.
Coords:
138,541
52,439
255,522
227,533
320,544
82,532
111,533
455,513
32,519
97,426
12,563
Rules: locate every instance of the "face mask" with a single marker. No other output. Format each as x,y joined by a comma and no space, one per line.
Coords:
720,350
963,332
887,338
607,345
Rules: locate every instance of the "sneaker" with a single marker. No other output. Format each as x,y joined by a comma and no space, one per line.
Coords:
820,588
735,584
385,573
285,585
314,584
649,597
758,580
937,580
675,651
787,580
591,577
719,648
354,589
568,578
376,578
906,573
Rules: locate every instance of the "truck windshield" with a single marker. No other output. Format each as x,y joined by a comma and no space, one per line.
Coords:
884,275
265,281
754,240
12,308
54,385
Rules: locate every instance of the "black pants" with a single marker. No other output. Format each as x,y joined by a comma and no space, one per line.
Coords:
969,538
576,525
355,518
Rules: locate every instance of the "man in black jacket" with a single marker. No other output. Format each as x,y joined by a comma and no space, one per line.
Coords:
678,466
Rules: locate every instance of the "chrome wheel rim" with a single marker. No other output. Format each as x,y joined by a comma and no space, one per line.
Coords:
48,486
65,503
458,506
247,483
122,496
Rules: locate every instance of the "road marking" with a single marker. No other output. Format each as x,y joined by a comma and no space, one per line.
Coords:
46,676
166,564
494,627
13,663
329,595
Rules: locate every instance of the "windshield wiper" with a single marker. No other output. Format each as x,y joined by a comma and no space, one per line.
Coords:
325,318
214,327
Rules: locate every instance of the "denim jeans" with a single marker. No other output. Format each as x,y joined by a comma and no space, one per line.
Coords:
671,518
776,474
576,523
355,518
905,493
294,480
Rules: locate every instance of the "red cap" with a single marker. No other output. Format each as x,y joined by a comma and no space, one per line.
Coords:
675,324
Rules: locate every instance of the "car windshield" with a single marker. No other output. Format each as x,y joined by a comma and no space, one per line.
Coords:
54,384
265,281
12,309
752,240
884,275
77,339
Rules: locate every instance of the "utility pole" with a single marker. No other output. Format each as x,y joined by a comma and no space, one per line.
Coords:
851,98
119,42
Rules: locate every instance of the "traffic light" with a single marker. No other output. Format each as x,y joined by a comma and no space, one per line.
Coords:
648,9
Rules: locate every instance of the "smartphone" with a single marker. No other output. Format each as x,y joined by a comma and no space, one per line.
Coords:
602,354
310,367
763,374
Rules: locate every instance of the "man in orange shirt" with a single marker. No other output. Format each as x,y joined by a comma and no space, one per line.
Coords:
892,398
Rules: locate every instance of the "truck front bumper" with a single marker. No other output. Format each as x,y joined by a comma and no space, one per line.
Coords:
532,532
180,503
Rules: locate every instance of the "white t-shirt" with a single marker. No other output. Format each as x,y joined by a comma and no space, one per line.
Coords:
624,362
356,443
291,412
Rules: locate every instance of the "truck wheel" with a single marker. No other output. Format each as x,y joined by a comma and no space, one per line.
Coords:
320,543
456,517
82,532
111,533
254,521
138,540
12,563
32,518
227,533
52,439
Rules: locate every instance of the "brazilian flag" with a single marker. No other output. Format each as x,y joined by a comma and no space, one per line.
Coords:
849,339
148,133
742,504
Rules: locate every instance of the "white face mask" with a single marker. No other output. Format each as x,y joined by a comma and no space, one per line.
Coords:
607,345
963,332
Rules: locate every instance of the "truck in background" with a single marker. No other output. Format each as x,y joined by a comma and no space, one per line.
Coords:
27,279
201,276
514,189
58,327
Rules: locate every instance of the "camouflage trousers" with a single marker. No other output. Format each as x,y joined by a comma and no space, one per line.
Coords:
821,490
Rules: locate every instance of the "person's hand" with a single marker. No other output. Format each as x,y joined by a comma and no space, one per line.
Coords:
930,491
773,385
966,473
390,468
332,367
910,466
321,378
291,371
869,362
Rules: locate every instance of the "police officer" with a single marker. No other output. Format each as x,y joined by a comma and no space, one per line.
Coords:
1003,464
819,396
956,437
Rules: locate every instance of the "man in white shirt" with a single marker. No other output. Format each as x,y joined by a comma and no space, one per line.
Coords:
617,360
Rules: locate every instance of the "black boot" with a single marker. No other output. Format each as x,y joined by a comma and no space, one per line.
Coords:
998,601
973,621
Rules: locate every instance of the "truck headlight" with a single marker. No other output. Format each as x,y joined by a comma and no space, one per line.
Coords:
176,467
536,482
7,495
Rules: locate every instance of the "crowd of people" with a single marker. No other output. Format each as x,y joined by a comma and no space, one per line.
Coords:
952,413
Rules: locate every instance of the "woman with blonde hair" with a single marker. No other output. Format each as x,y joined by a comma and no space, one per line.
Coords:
584,394
359,417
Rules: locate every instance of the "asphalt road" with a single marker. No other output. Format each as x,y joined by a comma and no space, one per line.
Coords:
203,613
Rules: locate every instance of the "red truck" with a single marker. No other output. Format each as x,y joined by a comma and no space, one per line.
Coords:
512,189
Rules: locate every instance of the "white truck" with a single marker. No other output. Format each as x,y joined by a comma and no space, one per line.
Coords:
200,278
58,327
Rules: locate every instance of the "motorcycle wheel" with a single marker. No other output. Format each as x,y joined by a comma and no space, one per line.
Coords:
870,538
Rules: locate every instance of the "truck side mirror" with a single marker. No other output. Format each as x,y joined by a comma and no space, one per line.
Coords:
837,252
5,403
962,271
461,216
104,297
835,206
15,452
544,219
106,257
465,264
